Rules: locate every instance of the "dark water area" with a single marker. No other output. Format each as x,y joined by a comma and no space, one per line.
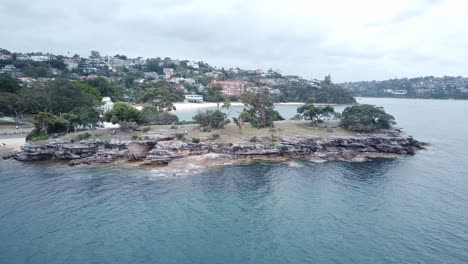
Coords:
403,210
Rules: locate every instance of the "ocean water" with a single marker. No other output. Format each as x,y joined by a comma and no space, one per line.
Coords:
403,210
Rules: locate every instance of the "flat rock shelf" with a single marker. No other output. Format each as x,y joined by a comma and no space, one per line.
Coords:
163,148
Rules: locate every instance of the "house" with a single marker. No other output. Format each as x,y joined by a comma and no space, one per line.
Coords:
27,81
231,88
179,87
40,58
168,72
193,98
193,64
5,56
71,64
23,57
396,92
152,75
9,68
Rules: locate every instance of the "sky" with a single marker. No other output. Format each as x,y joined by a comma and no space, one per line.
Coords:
351,40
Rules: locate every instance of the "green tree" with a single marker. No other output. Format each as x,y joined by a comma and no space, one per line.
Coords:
95,54
212,118
241,119
62,96
123,112
260,108
104,87
366,118
44,121
214,93
89,118
89,90
330,93
9,84
151,115
313,113
16,105
161,98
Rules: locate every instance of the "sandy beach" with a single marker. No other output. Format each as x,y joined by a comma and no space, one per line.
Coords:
194,106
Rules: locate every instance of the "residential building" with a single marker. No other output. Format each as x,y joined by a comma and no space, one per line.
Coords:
71,64
10,68
396,92
23,57
5,56
231,88
168,72
193,98
153,75
193,64
40,58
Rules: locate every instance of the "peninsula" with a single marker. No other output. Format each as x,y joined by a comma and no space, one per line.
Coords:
69,112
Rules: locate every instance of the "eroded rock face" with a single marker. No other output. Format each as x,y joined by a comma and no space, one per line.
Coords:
55,151
166,149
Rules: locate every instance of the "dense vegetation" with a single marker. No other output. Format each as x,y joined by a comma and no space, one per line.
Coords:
259,109
323,92
421,87
366,118
313,113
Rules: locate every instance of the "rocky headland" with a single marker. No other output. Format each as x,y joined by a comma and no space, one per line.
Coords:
163,148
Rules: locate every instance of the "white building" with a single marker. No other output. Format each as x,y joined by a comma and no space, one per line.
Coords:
5,56
396,92
40,58
193,64
194,98
107,104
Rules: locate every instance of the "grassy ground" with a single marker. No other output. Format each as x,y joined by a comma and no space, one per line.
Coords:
6,122
230,133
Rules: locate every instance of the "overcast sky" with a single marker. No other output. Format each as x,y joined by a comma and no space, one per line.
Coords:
351,40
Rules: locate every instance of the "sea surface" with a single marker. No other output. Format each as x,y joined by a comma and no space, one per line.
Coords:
403,210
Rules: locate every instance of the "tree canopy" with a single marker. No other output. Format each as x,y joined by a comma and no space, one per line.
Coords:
259,108
313,113
366,118
123,112
9,84
161,98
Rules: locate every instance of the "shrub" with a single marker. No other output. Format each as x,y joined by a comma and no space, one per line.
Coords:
82,136
366,118
212,118
215,136
135,136
123,112
179,136
195,140
174,127
254,139
151,115
107,145
184,122
40,137
206,129
128,126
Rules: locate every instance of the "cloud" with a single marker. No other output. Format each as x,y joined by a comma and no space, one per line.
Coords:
352,40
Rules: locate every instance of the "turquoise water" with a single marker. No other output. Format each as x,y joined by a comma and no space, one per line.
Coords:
404,210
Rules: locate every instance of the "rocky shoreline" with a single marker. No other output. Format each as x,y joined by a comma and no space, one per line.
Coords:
163,148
